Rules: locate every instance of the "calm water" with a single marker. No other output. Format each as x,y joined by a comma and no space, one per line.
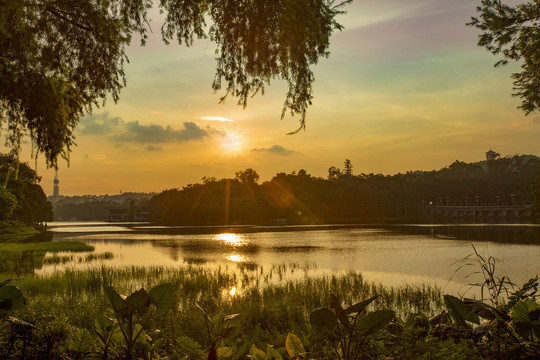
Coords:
413,254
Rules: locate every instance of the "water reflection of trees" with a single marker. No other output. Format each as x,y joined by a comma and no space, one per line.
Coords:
501,234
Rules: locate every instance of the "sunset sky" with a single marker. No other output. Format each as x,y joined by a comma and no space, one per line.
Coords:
405,88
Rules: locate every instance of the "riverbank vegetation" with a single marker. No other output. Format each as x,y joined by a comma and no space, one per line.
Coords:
10,229
299,198
23,203
199,313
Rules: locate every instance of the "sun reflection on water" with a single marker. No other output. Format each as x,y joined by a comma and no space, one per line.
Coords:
232,239
236,258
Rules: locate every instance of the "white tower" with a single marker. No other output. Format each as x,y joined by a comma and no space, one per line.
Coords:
56,189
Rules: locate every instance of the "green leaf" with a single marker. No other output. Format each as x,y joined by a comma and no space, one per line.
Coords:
256,354
118,304
80,342
162,296
359,307
9,281
11,298
190,346
231,321
273,354
224,351
525,317
294,345
242,351
374,321
417,321
138,334
484,310
138,302
459,312
104,322
321,319
521,311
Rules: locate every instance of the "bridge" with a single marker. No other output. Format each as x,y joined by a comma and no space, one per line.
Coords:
490,213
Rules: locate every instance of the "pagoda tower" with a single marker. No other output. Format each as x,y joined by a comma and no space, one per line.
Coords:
56,189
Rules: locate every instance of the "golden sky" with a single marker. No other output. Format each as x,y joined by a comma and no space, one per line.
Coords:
405,88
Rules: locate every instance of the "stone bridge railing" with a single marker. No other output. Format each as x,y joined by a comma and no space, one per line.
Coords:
479,211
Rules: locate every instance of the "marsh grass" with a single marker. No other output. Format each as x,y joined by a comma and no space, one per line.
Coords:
78,293
67,259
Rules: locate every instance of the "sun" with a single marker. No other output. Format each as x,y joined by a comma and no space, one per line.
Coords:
232,143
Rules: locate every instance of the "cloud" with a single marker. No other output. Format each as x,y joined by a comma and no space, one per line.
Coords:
216,118
157,134
99,124
153,148
276,149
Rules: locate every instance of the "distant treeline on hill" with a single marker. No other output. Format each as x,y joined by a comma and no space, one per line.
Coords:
95,207
299,198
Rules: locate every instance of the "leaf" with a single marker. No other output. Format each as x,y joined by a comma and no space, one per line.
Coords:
521,311
162,296
80,342
294,345
9,281
20,322
242,351
138,302
321,319
525,317
11,298
273,354
359,307
374,321
231,321
224,351
118,304
459,312
138,334
189,345
104,322
256,354
482,309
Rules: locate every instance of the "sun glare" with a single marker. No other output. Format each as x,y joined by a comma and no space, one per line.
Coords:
232,143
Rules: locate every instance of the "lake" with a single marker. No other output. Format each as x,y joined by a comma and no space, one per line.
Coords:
391,255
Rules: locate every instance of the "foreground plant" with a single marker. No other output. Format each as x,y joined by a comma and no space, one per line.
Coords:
125,330
346,330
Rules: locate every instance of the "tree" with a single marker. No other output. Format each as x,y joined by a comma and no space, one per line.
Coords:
8,204
514,33
21,198
62,58
347,169
248,176
333,173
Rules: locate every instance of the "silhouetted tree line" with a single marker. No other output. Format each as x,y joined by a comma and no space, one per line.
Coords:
299,198
21,196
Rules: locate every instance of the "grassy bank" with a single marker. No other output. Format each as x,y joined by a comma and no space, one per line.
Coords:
10,230
21,258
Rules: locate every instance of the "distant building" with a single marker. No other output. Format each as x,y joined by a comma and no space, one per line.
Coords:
118,214
492,155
